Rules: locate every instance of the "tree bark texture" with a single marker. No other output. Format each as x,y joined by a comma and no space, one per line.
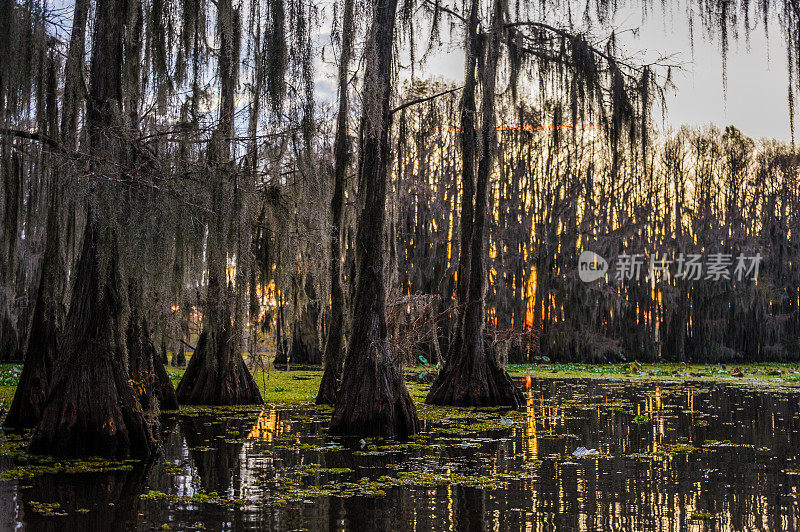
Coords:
373,400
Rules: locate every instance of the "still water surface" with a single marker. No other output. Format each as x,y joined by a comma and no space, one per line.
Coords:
672,456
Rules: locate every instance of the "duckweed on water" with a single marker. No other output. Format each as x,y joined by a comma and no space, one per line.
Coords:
25,466
313,469
171,469
46,509
197,498
680,448
366,487
291,462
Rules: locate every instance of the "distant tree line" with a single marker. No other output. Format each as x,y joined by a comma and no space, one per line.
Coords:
554,193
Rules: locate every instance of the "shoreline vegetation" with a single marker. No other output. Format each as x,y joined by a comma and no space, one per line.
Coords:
300,386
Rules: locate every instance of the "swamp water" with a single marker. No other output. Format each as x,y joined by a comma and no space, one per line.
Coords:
671,456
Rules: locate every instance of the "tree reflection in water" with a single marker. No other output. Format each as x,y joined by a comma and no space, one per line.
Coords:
728,451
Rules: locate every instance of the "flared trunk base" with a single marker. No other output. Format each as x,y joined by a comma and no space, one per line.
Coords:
147,369
221,383
29,399
92,410
327,388
37,372
329,385
374,402
475,381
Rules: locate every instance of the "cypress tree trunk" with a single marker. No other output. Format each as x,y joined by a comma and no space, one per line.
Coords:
373,400
179,358
217,374
164,391
91,409
334,344
281,356
305,349
162,353
469,142
151,384
48,315
472,375
73,75
12,179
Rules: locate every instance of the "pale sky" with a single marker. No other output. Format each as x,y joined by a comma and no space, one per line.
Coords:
757,75
757,78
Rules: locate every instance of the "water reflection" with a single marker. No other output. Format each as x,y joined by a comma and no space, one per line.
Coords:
93,501
529,437
266,426
215,447
667,452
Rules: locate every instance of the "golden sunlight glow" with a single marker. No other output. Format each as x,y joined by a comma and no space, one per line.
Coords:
530,299
267,426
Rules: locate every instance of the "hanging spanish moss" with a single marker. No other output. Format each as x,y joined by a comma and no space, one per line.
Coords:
224,186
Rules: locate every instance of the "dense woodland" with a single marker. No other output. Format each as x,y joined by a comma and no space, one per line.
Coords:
172,184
